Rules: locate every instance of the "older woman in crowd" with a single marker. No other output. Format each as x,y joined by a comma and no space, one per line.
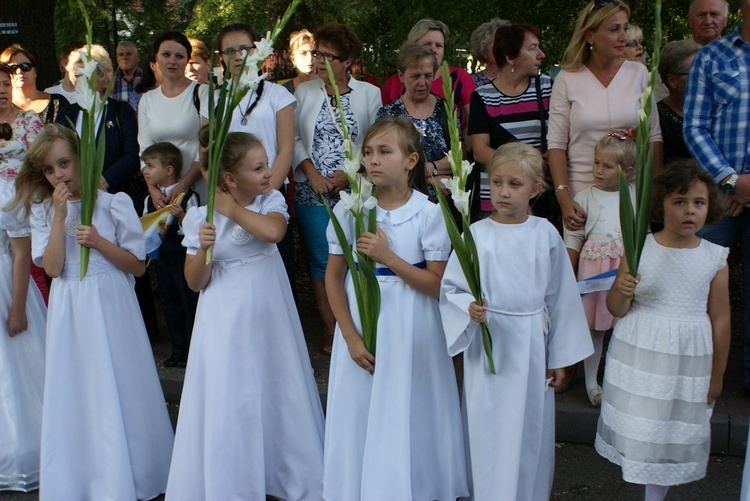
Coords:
596,91
435,35
634,47
674,62
417,68
26,96
119,125
319,147
173,113
301,45
481,41
514,105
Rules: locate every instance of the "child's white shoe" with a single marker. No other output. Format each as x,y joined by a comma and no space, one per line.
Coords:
595,396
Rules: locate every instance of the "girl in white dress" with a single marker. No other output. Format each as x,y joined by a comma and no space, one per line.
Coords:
105,429
250,421
393,423
22,324
597,247
538,328
668,353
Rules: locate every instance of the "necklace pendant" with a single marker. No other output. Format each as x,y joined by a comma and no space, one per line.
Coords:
243,121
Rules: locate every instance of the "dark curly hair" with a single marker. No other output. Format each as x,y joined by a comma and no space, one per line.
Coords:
678,177
341,37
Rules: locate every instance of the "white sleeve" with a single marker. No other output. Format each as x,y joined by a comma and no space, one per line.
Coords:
191,224
346,220
40,230
128,228
436,244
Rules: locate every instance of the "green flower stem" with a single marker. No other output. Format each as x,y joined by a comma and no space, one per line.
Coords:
635,223
90,149
220,117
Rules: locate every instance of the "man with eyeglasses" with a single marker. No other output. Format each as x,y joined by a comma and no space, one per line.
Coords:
128,73
707,19
716,132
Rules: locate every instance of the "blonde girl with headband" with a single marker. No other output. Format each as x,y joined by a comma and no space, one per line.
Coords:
597,247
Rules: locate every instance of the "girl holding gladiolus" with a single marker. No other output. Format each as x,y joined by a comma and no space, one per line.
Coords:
393,426
537,326
106,433
251,422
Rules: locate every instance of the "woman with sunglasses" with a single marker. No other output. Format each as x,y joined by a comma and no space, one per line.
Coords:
596,91
319,147
26,96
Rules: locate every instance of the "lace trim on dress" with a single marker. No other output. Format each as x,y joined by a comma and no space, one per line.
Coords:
96,267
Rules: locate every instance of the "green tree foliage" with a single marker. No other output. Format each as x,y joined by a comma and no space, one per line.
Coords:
139,21
382,25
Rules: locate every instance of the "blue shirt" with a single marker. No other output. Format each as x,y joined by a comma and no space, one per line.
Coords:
716,126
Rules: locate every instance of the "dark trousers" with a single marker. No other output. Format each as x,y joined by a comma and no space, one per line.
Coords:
177,300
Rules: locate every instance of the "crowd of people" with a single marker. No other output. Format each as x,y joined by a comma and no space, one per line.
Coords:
81,408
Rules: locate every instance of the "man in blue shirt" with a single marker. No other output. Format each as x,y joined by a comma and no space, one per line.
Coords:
716,129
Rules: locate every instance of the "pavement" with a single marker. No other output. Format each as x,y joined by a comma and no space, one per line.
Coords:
576,417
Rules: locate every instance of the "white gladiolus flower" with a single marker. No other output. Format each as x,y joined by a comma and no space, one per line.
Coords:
466,168
351,167
363,186
85,96
462,202
370,203
89,66
452,183
642,116
249,80
264,46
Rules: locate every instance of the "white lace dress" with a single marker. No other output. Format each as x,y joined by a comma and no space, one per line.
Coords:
655,422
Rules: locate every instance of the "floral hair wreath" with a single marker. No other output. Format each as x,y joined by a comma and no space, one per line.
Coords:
630,134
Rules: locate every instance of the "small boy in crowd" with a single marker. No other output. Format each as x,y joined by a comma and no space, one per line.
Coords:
162,163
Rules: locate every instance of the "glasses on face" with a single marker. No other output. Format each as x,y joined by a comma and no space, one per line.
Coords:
25,67
317,54
632,44
230,52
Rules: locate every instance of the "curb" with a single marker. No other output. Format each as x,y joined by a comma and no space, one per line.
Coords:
574,421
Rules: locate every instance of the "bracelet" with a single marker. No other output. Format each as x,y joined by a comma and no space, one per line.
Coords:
560,188
435,171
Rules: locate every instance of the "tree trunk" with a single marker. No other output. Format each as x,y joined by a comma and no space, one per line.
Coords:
32,25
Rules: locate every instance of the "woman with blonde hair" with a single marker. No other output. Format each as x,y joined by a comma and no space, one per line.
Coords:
635,50
596,91
482,41
118,122
301,45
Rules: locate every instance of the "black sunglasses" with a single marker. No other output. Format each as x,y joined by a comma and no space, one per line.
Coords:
317,54
25,67
598,4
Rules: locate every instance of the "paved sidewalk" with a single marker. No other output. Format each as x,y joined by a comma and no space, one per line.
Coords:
576,418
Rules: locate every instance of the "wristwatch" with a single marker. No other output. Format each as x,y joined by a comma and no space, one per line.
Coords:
728,186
